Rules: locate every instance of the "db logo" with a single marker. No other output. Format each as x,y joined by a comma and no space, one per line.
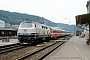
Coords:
25,30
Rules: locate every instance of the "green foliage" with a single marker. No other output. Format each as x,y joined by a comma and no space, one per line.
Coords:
16,18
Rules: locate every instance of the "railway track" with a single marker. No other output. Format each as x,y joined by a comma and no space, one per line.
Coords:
40,54
8,48
33,52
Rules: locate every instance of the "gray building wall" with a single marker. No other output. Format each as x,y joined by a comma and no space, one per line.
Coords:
88,6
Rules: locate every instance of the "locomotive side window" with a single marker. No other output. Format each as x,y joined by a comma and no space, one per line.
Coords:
35,26
63,31
44,27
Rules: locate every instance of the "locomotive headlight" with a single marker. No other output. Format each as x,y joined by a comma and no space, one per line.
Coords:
24,34
18,33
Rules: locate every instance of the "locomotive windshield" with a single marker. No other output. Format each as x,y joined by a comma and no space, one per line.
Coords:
26,25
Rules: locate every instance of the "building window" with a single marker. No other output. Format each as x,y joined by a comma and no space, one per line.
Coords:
2,32
9,32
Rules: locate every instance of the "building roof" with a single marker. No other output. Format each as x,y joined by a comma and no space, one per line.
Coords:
8,29
82,19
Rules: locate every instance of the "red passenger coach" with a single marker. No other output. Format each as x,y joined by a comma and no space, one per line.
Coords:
56,32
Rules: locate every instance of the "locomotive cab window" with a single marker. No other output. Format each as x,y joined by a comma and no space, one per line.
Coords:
23,25
28,25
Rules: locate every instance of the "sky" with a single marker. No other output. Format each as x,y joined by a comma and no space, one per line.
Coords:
58,11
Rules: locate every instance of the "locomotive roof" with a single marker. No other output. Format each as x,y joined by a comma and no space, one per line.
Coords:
82,19
8,29
34,22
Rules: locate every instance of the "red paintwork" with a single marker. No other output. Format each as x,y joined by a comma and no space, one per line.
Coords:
56,33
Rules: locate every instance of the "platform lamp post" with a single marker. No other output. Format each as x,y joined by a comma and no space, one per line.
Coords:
73,27
66,26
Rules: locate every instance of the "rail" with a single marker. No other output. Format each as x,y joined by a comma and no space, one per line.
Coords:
7,48
36,52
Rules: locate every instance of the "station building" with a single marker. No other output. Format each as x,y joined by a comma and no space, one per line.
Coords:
7,29
84,19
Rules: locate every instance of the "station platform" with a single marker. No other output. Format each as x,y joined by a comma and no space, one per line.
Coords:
11,41
74,49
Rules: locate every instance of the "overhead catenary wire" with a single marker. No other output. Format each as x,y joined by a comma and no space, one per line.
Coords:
54,11
50,8
41,11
